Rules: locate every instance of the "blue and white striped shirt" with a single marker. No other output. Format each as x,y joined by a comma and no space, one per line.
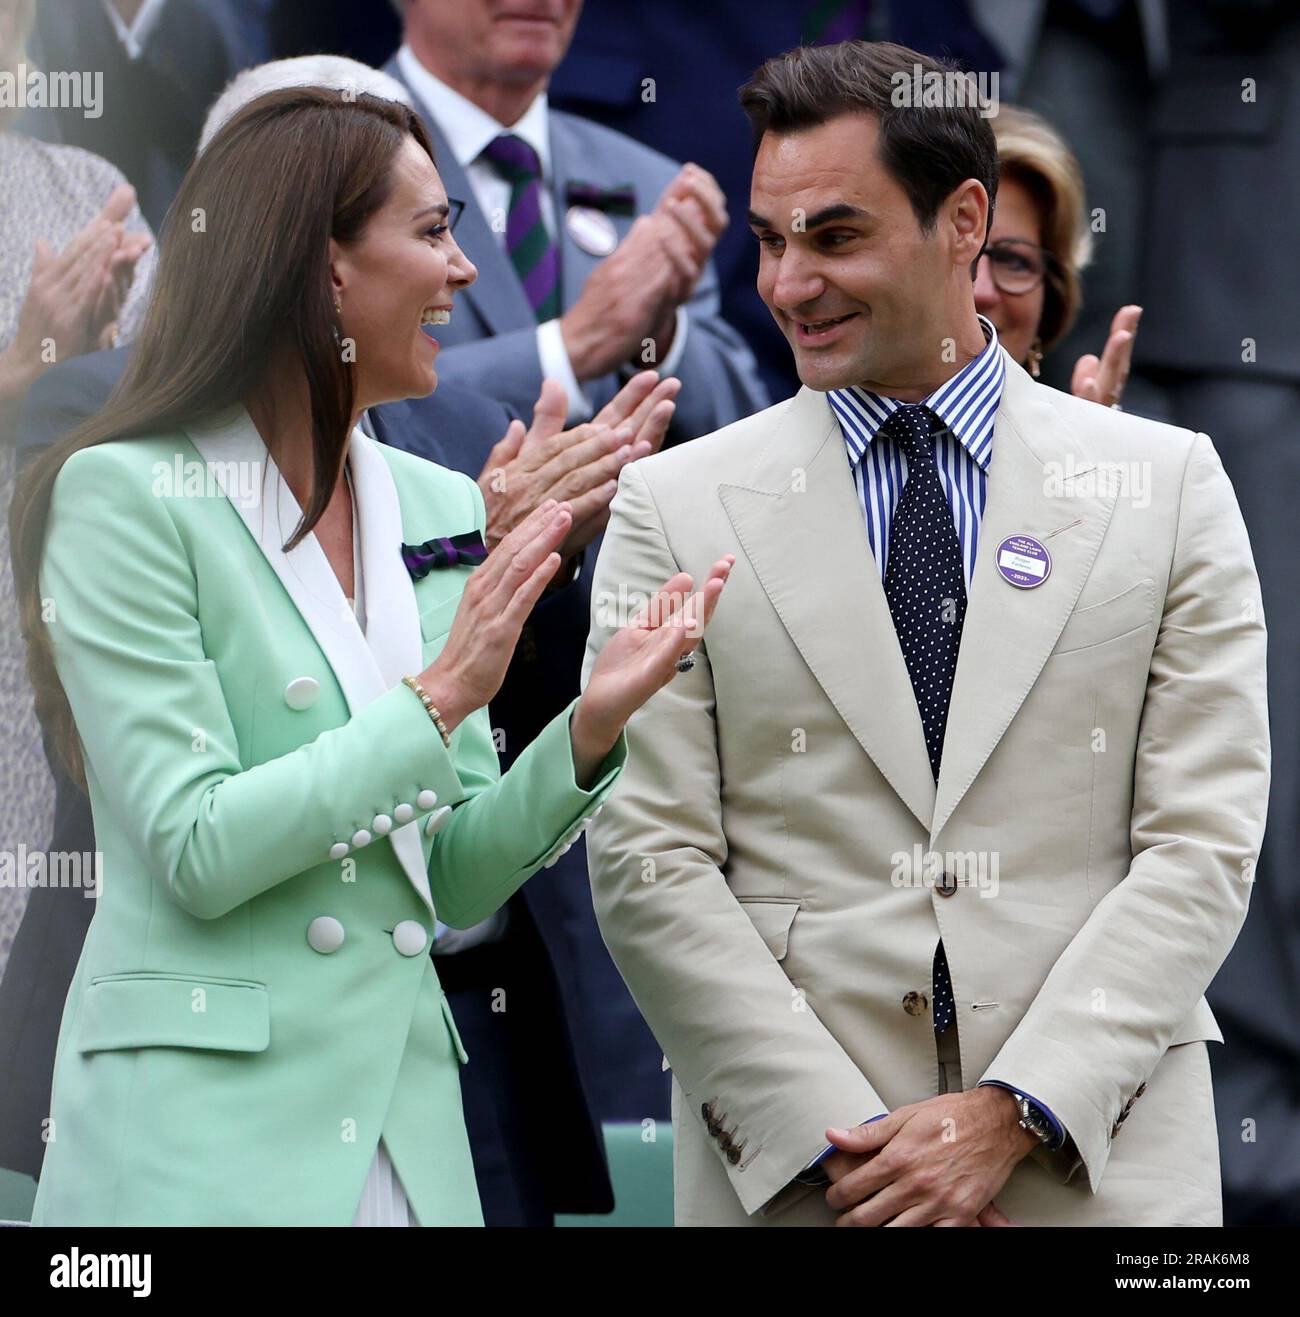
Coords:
968,406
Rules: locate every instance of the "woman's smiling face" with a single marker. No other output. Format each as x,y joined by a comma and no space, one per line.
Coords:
1016,316
399,275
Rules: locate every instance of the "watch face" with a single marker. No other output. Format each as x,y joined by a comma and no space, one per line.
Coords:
1032,1119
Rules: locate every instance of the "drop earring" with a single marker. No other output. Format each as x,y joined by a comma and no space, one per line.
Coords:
1035,357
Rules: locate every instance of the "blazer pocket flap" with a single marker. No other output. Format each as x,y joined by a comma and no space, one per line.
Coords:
436,621
772,917
461,1053
159,1010
1200,1025
1109,619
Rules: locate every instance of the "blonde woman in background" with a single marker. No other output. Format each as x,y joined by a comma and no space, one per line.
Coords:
70,237
1028,276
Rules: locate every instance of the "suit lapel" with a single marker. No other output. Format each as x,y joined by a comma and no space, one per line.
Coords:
802,529
570,161
1009,632
365,666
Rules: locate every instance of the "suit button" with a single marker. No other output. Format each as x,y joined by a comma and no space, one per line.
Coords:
437,820
382,825
302,692
339,850
733,1154
361,838
403,813
946,885
325,934
914,1003
427,799
410,938
1141,1088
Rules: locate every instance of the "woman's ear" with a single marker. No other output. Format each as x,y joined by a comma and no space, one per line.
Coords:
338,270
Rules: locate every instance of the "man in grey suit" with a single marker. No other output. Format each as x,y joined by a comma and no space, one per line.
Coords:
593,251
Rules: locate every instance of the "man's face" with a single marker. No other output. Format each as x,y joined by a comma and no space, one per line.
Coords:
509,41
856,287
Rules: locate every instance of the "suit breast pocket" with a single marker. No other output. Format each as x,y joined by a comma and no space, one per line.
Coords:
436,621
1097,623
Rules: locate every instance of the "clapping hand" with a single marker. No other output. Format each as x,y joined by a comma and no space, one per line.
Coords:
578,466
641,658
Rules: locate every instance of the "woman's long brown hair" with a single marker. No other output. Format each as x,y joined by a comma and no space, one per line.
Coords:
243,271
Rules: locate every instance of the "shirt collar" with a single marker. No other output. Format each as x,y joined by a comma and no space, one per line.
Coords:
967,404
467,128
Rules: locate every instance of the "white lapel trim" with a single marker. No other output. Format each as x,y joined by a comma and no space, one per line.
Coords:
365,667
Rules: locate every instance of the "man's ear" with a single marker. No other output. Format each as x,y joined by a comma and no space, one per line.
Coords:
968,216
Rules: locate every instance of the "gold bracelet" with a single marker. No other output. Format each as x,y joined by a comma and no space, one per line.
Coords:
430,708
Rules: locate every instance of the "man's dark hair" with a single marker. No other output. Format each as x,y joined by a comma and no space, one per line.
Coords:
929,149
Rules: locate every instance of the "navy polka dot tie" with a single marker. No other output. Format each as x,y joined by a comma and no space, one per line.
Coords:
926,591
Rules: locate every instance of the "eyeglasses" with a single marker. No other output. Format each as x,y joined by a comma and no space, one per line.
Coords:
1018,266
454,211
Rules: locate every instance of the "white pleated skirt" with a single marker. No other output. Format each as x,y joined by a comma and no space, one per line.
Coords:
383,1200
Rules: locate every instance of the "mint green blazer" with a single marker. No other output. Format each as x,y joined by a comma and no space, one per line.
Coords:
280,827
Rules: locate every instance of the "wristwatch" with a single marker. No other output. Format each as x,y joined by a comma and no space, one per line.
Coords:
1033,1119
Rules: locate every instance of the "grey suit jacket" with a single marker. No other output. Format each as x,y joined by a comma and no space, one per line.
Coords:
491,345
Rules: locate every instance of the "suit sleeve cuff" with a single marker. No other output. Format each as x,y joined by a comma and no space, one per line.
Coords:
673,359
555,363
588,802
813,1172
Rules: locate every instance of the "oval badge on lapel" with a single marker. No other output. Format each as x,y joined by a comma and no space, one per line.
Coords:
592,230
1022,561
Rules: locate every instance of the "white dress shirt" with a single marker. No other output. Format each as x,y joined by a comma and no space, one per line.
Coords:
469,130
383,1200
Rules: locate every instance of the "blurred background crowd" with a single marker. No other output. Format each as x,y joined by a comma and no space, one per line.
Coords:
1141,248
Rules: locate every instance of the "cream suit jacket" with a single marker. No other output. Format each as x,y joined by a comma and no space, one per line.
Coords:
777,866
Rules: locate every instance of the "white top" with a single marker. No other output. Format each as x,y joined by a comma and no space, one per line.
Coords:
383,1200
358,597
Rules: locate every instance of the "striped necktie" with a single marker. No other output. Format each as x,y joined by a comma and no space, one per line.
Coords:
532,252
926,591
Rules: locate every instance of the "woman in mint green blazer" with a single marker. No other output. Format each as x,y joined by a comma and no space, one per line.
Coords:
269,643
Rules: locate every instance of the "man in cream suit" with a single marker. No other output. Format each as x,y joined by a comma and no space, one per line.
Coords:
920,874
